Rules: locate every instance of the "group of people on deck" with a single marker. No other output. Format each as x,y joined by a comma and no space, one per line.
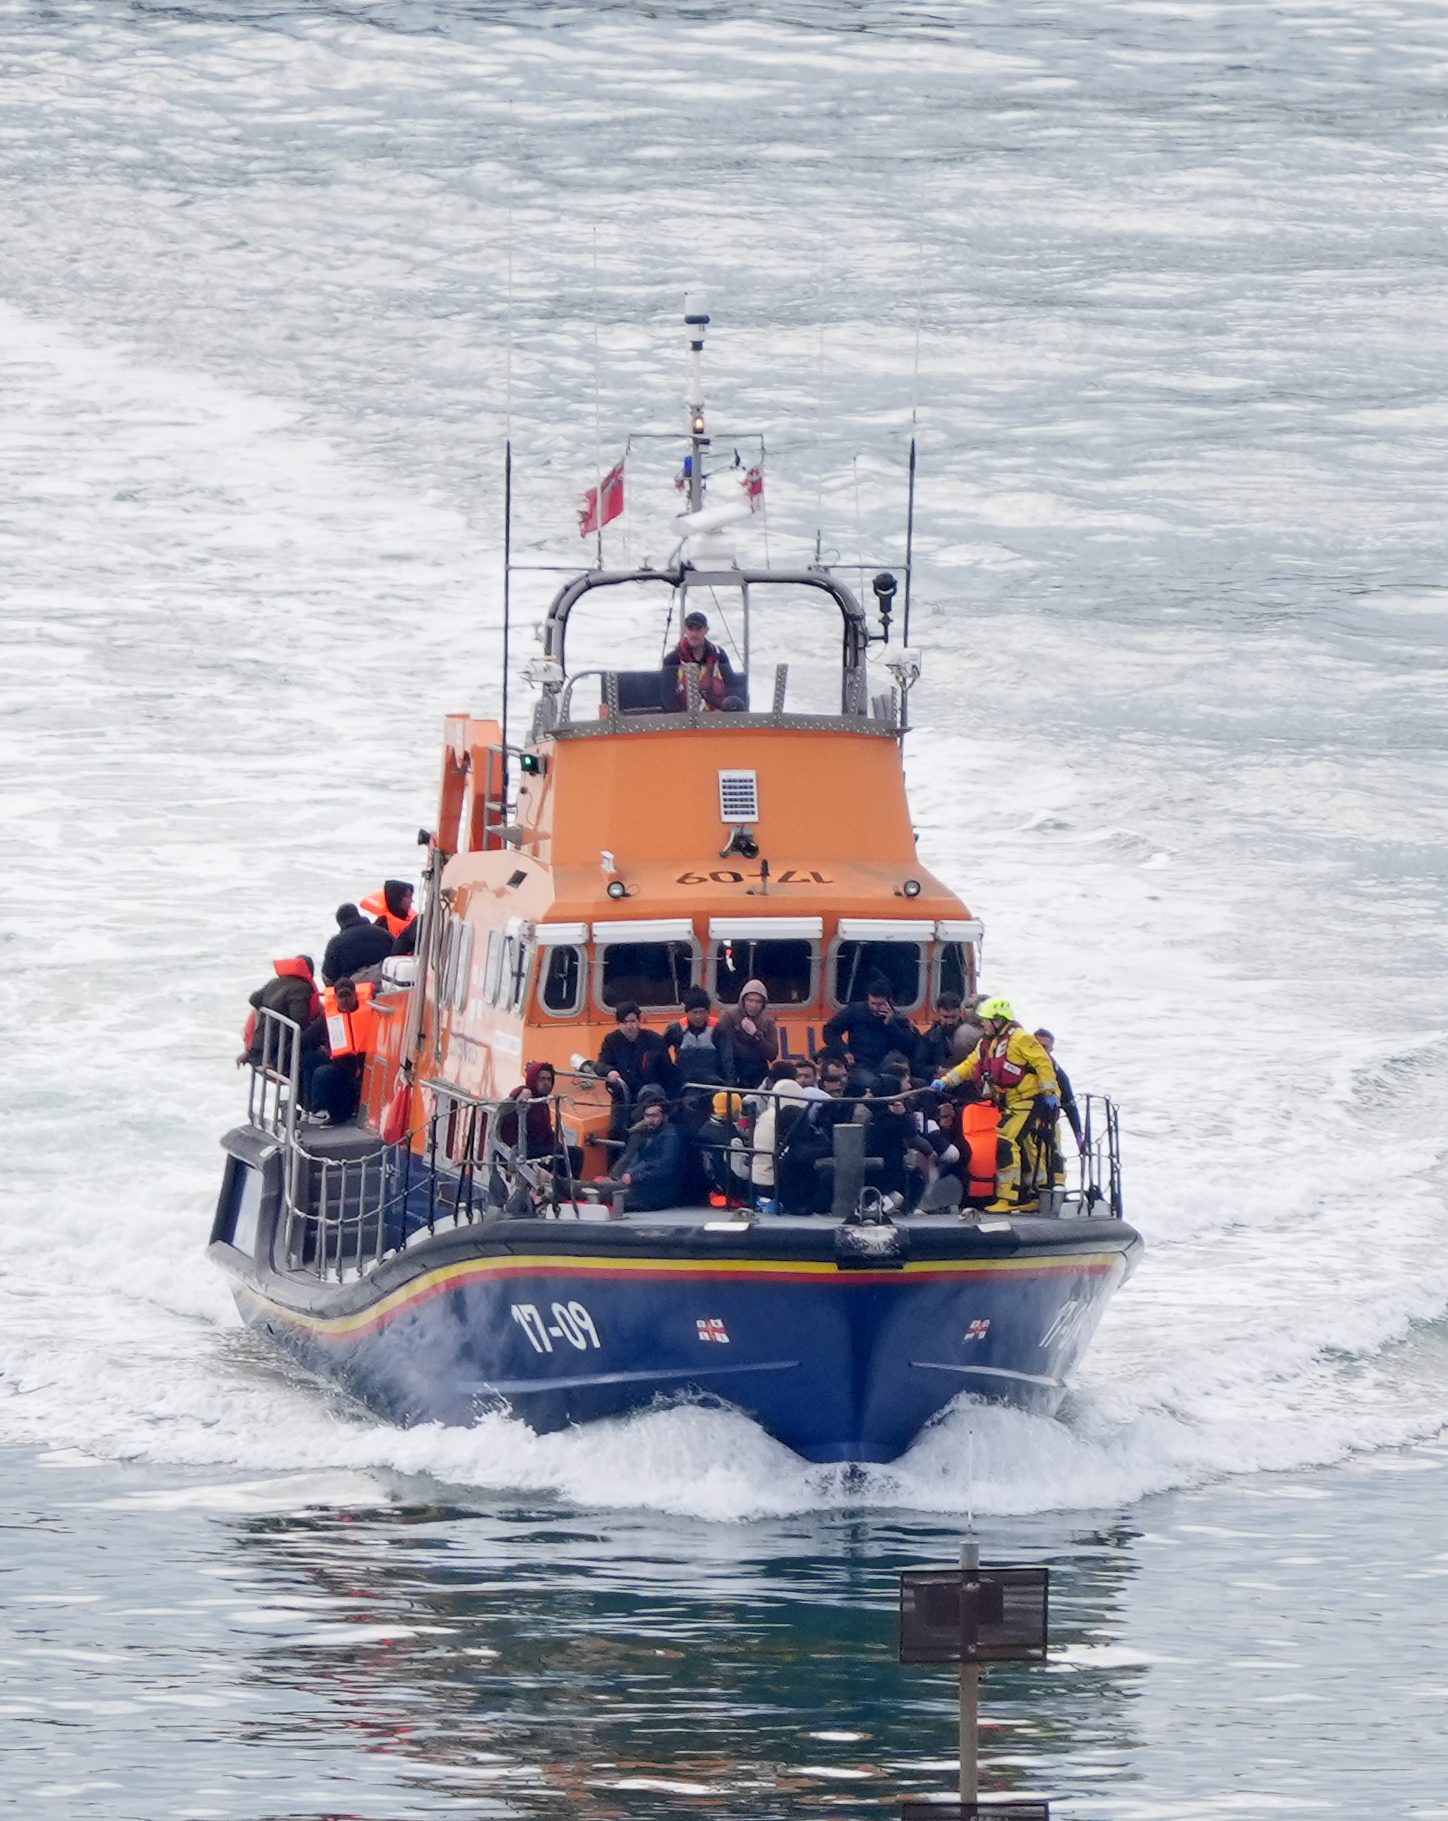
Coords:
964,1112
335,1020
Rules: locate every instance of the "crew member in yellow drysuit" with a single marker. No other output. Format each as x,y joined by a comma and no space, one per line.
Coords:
1016,1074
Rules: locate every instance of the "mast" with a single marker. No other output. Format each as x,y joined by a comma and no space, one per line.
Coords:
696,320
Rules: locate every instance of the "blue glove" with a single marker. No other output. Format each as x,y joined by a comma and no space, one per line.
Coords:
1051,1102
939,1087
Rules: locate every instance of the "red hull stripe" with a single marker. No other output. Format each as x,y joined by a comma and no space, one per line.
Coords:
667,1270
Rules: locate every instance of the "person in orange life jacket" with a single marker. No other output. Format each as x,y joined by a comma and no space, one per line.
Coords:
869,1029
334,1087
292,993
357,944
718,685
651,1170
545,1143
747,1037
630,1058
1018,1077
693,1045
392,906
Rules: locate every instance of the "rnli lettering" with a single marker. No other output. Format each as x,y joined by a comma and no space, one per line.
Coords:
790,877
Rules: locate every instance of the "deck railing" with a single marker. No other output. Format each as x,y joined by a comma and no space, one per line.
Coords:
341,1215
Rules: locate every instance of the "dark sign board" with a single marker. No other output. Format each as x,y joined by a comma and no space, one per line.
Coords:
973,1615
985,1810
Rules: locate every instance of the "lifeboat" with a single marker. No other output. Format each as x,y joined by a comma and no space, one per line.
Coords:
462,1248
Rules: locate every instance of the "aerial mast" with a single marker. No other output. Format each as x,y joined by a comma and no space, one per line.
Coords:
696,320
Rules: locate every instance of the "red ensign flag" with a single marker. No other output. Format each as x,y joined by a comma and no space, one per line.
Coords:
610,490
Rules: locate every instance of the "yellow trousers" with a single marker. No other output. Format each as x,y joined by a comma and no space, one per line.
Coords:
1019,1153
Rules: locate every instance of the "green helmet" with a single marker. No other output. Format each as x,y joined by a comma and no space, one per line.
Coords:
996,1008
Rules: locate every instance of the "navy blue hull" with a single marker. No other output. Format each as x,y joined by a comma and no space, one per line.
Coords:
562,1323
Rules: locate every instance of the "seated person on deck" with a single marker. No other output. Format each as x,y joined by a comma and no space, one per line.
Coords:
652,1169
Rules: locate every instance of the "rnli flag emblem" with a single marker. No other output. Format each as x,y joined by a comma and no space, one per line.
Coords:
977,1330
713,1329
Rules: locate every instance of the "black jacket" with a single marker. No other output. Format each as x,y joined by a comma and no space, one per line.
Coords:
350,950
869,1039
642,1063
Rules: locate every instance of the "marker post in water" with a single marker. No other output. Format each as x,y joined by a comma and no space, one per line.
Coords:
973,1615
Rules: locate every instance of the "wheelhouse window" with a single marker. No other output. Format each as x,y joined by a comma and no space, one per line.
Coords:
952,969
655,974
785,967
561,992
492,966
517,966
901,963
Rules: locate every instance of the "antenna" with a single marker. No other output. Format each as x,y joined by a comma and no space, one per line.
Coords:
909,547
696,320
597,414
507,593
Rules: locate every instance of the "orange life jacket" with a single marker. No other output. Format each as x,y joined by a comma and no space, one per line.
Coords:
979,1121
350,1033
376,905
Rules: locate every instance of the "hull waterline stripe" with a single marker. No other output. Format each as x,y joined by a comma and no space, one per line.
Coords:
523,1387
452,1277
1030,1378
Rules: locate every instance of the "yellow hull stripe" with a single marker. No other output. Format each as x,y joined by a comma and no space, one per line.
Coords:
449,1277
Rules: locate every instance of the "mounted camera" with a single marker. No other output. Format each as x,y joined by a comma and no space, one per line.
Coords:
741,842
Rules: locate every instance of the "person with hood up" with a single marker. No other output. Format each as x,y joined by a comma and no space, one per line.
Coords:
392,906
1019,1080
356,946
545,1142
792,1087
651,1170
747,1037
292,993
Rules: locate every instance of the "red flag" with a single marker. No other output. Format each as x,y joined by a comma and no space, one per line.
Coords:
611,488
754,488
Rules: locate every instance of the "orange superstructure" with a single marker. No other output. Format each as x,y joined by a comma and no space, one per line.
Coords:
631,850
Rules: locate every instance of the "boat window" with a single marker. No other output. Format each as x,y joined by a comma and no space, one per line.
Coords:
655,974
786,968
462,966
952,969
515,985
491,966
855,963
562,989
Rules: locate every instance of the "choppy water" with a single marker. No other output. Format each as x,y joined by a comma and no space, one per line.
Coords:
275,282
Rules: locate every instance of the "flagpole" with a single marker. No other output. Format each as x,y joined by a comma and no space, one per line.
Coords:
597,407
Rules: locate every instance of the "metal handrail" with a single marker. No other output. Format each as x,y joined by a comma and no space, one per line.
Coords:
274,1093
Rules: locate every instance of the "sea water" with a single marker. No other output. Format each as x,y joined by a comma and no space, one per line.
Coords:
1158,292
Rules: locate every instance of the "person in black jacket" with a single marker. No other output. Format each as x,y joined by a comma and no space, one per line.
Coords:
869,1030
693,1046
631,1058
804,1189
651,1170
357,944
